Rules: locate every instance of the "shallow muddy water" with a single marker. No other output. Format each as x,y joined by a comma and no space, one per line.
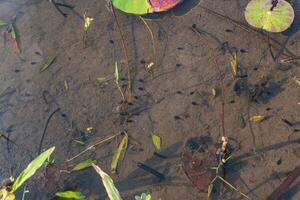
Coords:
55,107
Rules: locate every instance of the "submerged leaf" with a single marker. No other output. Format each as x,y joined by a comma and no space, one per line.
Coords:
47,62
143,196
116,74
257,118
14,38
233,65
108,183
269,15
31,168
156,140
210,187
70,195
213,92
83,165
121,147
100,79
3,23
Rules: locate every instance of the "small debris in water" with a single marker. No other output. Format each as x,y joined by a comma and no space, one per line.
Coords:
287,122
159,155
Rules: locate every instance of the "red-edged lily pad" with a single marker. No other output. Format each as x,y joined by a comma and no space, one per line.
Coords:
142,7
270,15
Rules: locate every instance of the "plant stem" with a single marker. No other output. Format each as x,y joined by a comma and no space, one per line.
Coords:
213,56
124,47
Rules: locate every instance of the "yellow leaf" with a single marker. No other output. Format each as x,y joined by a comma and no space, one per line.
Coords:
87,22
257,118
121,147
156,140
213,92
89,130
101,79
233,64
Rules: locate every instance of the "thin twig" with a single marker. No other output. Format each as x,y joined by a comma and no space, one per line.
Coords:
93,145
45,128
152,38
129,85
234,188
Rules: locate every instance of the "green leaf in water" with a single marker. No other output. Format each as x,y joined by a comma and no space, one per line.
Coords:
121,147
31,168
269,16
108,183
47,62
156,140
138,7
70,195
83,165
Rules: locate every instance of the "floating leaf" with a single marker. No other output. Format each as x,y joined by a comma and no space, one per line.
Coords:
156,140
257,118
31,168
121,147
273,17
141,7
108,183
70,195
159,5
83,165
3,23
233,65
47,62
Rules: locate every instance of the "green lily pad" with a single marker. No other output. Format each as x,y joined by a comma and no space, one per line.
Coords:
138,7
271,17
